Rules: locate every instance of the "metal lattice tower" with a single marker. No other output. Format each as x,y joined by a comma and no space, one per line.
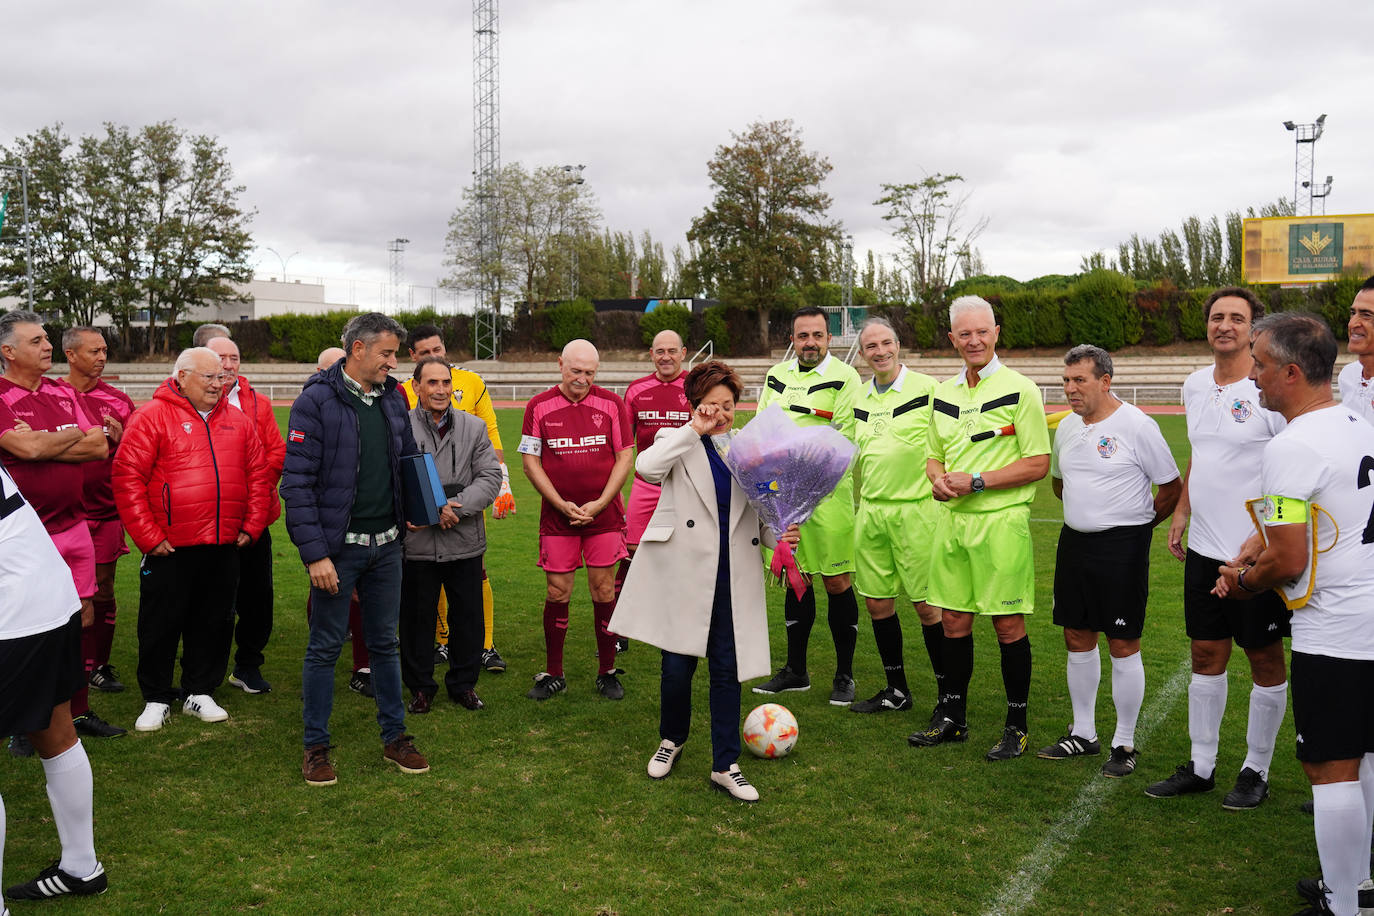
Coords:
1304,161
397,247
486,168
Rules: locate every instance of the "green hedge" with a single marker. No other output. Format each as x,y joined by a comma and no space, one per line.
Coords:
666,317
568,321
1097,310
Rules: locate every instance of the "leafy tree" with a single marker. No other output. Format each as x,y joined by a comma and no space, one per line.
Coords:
766,226
1202,253
929,221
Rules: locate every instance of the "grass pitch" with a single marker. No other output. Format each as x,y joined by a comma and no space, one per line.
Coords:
545,807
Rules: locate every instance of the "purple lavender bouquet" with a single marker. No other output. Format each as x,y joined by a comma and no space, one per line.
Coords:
787,470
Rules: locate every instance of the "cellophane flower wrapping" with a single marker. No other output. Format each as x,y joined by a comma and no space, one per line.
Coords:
786,470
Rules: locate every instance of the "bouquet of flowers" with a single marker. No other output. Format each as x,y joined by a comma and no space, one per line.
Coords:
787,470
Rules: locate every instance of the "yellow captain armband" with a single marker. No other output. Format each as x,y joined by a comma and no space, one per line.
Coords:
1284,510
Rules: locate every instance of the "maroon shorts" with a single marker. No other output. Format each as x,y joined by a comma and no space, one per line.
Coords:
108,537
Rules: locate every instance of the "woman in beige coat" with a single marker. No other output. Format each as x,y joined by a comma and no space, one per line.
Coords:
703,531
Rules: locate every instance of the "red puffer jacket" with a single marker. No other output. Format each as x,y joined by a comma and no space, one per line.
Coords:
187,480
259,409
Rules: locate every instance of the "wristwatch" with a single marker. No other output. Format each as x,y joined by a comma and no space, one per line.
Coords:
978,485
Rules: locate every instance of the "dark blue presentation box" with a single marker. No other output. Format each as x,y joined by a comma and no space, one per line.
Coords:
424,495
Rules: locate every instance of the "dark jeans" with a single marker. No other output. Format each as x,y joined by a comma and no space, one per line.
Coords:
675,689
461,580
376,573
185,597
253,602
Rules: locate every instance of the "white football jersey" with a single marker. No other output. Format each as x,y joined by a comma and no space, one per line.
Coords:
1108,467
1357,392
36,590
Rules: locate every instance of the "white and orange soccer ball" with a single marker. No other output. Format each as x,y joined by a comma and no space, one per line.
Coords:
770,730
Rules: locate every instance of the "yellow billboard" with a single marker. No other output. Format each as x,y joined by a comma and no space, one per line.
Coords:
1308,249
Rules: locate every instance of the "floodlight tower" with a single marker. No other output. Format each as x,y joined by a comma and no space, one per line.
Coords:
486,167
1304,159
397,247
1322,194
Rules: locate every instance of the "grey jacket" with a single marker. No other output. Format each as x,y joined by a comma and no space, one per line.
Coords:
471,475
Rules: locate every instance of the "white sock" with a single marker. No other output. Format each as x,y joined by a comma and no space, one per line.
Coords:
2,847
1128,693
1267,706
70,792
1206,705
1084,674
1342,841
1367,788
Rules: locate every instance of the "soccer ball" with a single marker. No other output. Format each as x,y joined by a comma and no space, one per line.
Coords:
770,730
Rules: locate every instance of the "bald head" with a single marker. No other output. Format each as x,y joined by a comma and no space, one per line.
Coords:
328,357
578,366
667,351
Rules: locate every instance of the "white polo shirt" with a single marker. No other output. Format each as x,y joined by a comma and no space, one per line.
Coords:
36,590
1108,467
1327,457
1227,430
1357,392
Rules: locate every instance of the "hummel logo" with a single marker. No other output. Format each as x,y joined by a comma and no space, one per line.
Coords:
1273,626
1300,737
1120,621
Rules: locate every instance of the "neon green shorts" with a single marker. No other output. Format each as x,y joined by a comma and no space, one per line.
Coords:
827,538
892,542
982,562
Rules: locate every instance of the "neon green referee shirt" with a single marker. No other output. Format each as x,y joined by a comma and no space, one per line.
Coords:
1002,398
892,438
832,385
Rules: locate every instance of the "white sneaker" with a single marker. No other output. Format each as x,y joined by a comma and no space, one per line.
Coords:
204,707
153,717
733,782
661,764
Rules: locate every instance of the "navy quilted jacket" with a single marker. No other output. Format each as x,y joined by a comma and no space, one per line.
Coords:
320,477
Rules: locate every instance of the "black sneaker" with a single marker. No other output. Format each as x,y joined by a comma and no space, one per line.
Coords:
92,726
1120,763
1013,744
1183,782
440,655
785,681
250,680
54,882
361,682
882,701
1070,746
1251,789
104,679
21,746
492,661
609,686
842,690
546,685
941,730
1314,891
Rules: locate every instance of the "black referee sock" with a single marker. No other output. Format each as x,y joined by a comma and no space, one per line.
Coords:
958,656
843,616
800,616
887,633
934,636
1016,678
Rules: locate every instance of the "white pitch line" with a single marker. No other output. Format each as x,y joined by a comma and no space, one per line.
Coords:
1035,869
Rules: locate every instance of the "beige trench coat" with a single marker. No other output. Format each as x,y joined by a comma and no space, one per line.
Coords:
666,599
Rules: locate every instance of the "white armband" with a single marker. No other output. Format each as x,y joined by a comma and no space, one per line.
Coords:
531,445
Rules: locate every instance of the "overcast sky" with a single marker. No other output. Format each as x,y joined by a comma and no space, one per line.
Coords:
1074,124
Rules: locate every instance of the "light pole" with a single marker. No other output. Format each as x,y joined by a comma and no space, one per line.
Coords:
284,260
1304,158
28,235
572,175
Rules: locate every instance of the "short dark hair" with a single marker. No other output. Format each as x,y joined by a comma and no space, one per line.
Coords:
1240,292
1100,358
367,326
707,376
1302,339
72,336
421,332
1367,285
428,361
810,311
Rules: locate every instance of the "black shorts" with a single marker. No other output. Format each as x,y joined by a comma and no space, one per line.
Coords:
1333,707
1253,624
1102,580
37,673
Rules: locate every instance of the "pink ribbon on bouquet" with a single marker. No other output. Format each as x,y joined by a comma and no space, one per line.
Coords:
784,568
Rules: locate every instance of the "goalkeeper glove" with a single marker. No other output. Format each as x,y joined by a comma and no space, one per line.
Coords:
505,500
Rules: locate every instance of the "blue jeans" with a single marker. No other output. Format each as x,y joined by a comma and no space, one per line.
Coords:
376,573
675,689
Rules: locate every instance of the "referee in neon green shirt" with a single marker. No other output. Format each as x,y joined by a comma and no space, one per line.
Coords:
989,444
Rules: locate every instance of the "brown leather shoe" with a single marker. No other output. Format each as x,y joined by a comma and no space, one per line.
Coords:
402,752
420,704
468,699
316,768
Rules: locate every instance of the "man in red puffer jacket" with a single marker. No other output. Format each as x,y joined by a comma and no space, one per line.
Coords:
192,487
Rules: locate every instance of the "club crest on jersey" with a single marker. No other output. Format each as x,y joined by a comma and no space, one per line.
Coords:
1106,446
1241,411
597,420
186,426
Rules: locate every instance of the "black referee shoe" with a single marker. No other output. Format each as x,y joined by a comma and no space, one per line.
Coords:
941,730
54,882
1184,782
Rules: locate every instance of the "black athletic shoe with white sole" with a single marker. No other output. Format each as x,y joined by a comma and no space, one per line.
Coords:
1183,782
784,681
1012,745
842,690
1314,891
1070,746
882,701
1251,790
1120,763
54,882
941,730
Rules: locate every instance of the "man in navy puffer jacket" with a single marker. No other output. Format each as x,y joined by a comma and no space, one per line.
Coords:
342,489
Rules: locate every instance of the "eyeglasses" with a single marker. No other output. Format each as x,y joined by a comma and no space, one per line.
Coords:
209,377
